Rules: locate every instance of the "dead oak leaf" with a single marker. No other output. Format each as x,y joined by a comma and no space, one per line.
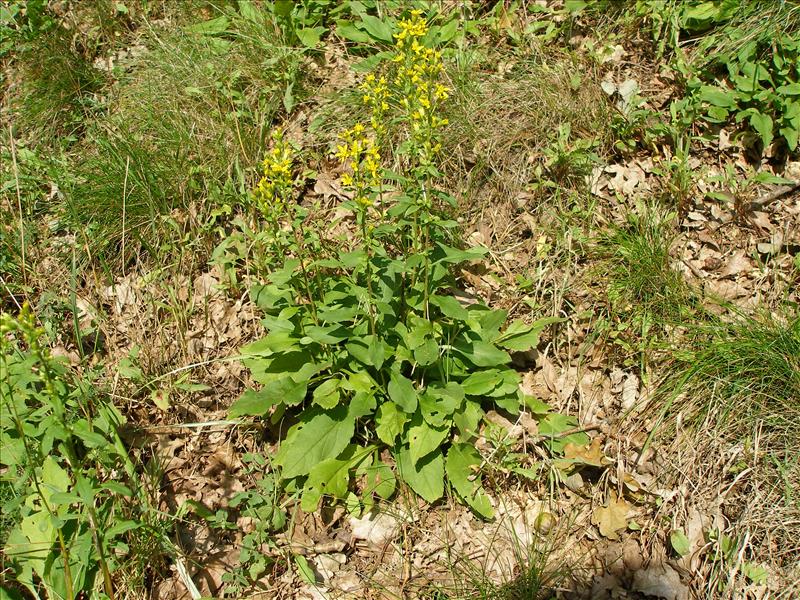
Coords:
587,454
612,517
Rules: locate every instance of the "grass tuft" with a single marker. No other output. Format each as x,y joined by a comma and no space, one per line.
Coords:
193,115
744,372
56,90
635,259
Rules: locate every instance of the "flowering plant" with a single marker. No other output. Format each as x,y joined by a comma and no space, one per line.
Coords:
369,351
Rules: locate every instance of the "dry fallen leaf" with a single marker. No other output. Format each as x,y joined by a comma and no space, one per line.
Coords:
660,581
377,528
612,517
588,454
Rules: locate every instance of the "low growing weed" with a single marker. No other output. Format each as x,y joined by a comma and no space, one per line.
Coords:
367,349
645,292
79,501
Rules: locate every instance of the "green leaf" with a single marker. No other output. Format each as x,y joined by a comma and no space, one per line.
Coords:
439,403
210,27
390,422
481,353
350,32
481,382
427,353
288,97
305,570
791,89
519,337
331,477
368,350
283,8
327,393
380,480
717,96
424,439
402,392
680,543
310,36
319,436
467,419
790,134
454,255
450,307
763,125
426,477
377,28
462,460
257,403
555,425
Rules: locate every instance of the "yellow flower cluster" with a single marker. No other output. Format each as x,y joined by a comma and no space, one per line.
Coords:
418,71
361,153
376,95
274,189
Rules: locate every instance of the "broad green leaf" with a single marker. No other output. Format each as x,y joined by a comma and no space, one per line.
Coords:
257,403
381,480
450,307
319,436
310,36
554,426
790,134
350,32
763,125
283,8
401,391
330,334
481,353
427,353
467,419
455,256
368,350
679,542
481,383
211,27
462,472
331,478
327,393
536,406
520,337
718,96
390,422
377,28
424,439
791,89
426,477
304,569
359,381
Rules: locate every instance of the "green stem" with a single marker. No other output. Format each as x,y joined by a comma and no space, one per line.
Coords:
368,244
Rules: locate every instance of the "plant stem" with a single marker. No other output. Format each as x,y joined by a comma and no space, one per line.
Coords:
367,242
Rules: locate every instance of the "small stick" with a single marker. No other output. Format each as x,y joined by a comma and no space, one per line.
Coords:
772,196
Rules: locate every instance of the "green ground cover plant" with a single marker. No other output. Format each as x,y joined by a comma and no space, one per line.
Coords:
646,295
739,61
79,510
368,349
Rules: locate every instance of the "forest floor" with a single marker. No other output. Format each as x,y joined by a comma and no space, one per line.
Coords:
661,239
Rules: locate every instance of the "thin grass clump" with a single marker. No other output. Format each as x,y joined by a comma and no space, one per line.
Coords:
635,260
56,88
745,372
188,124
